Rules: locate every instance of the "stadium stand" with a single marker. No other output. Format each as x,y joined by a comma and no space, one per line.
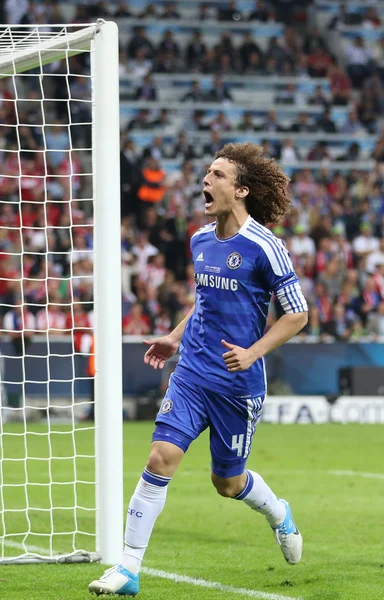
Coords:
305,80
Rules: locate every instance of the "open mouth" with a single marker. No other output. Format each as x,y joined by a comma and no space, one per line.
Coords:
208,199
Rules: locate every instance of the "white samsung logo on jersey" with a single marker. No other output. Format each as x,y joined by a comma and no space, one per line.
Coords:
200,257
215,281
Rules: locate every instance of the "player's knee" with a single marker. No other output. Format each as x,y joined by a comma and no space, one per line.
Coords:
228,488
161,462
157,463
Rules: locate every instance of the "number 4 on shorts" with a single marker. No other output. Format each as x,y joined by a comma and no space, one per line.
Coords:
237,443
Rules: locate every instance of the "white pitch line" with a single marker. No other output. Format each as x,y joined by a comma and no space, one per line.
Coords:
337,473
37,549
212,585
357,474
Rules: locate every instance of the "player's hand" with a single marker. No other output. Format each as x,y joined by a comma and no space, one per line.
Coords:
160,350
237,359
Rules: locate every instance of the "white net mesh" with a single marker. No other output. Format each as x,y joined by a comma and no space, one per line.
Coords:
47,472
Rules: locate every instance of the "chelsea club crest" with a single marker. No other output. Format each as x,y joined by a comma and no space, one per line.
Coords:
234,260
166,406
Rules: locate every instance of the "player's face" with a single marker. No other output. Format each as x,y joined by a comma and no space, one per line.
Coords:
220,191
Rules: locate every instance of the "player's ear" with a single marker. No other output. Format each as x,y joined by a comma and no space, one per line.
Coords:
242,192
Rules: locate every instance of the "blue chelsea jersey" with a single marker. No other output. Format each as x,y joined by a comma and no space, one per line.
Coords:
234,278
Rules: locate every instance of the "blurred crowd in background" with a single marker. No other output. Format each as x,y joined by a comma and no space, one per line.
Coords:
334,232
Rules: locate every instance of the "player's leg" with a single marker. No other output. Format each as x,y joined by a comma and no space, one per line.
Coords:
179,422
145,506
231,439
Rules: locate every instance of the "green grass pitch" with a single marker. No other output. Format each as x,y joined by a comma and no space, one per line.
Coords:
325,471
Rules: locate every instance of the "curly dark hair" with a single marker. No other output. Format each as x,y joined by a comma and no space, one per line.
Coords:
268,200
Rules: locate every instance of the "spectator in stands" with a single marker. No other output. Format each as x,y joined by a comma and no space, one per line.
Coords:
352,153
287,94
344,18
270,124
375,258
303,124
358,59
203,12
340,327
140,66
325,122
319,62
195,50
162,120
135,323
375,323
176,227
371,19
340,85
214,145
195,94
147,91
368,300
149,12
152,188
167,62
141,121
313,40
52,318
323,302
255,65
276,52
352,125
20,325
367,114
57,141
246,124
220,123
140,41
378,57
170,12
225,45
226,65
142,249
378,277
248,47
156,150
229,12
168,44
314,327
219,91
130,167
333,276
197,123
154,272
302,244
365,243
289,153
162,322
183,148
122,11
260,12
319,98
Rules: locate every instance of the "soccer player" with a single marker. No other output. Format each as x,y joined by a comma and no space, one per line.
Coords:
219,382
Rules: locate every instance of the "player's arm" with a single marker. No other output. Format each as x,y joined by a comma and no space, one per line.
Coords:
163,348
289,325
287,288
178,332
283,330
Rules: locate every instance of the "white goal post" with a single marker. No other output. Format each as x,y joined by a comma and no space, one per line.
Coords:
35,49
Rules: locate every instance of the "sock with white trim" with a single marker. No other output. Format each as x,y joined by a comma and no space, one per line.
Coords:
145,506
259,496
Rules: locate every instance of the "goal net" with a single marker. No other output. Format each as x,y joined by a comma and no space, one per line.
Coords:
60,344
